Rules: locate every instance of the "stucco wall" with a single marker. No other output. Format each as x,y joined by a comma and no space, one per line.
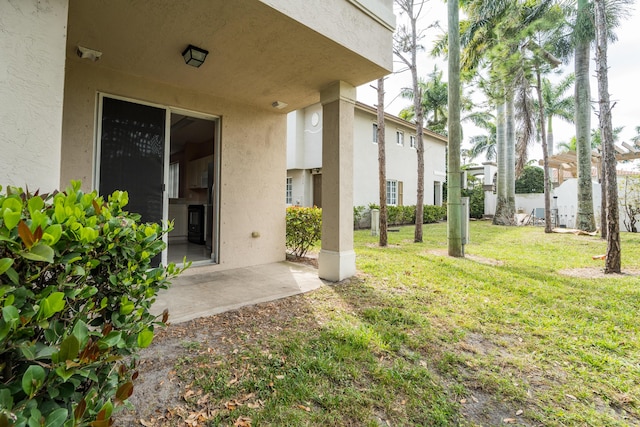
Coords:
253,159
304,138
568,202
32,52
345,22
302,194
401,162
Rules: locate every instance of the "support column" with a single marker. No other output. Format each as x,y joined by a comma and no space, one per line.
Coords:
337,260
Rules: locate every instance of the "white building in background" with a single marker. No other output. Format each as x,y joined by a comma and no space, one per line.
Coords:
304,159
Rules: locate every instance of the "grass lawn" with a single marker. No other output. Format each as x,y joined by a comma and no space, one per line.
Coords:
419,338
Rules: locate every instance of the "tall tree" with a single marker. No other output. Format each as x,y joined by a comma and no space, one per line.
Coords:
501,184
493,34
543,39
510,146
382,164
405,47
613,257
583,34
484,144
434,95
556,105
454,207
545,153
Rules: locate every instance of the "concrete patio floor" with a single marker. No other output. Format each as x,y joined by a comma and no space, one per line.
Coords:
202,291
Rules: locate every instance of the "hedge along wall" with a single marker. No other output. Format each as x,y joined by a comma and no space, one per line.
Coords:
399,215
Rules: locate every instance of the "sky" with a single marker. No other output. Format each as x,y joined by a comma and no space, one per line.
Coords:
624,77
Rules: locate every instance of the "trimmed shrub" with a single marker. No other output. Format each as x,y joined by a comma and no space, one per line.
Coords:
304,228
433,214
403,215
476,201
76,285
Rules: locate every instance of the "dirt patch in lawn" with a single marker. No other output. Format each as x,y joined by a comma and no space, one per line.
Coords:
159,393
597,273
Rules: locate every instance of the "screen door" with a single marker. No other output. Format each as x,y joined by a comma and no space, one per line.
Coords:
132,146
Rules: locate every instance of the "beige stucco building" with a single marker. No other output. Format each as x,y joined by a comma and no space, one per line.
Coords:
305,161
99,91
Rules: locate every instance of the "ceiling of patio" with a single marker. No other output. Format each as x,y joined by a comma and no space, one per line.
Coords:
256,54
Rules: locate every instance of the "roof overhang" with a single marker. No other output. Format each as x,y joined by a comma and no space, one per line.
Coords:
257,54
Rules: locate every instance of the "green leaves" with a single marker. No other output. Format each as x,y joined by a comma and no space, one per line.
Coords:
39,252
144,338
76,284
51,305
11,212
69,349
33,379
5,264
304,227
56,418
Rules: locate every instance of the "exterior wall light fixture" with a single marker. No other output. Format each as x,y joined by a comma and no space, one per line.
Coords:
194,56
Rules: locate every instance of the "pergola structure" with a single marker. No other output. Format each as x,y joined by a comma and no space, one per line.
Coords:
568,160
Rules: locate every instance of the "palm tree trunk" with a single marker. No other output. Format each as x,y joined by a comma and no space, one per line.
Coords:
382,165
584,220
510,146
501,185
550,147
613,258
454,207
603,193
545,156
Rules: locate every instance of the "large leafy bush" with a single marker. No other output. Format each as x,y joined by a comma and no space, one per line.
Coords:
304,229
76,283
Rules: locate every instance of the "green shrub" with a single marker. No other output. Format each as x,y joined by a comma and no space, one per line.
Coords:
434,213
402,215
304,228
530,181
476,201
409,214
394,215
76,285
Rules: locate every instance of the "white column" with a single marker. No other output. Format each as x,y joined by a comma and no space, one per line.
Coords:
337,260
32,48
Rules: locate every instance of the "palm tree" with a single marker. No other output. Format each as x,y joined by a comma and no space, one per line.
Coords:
557,105
484,144
493,34
595,140
434,95
583,34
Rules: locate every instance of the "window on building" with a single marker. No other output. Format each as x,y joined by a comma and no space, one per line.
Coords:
400,137
392,192
174,180
412,141
375,133
289,191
